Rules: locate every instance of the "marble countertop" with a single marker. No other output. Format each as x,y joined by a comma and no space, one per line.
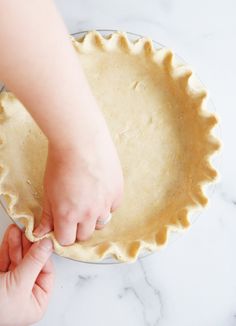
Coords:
193,280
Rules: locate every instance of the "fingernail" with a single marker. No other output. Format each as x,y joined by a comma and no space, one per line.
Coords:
46,244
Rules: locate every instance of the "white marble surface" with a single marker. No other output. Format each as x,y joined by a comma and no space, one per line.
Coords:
193,280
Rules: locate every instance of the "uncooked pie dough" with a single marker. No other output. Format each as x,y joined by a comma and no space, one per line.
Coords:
155,110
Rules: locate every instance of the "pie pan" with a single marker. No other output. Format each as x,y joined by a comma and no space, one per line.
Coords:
168,117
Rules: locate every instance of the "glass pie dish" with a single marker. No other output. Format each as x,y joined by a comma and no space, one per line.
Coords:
145,49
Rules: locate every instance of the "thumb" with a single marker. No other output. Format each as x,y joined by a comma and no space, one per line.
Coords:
46,223
33,262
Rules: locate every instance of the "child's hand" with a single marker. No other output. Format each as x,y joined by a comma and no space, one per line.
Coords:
83,183
26,278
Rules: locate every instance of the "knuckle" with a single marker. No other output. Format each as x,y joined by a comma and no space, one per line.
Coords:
68,215
88,214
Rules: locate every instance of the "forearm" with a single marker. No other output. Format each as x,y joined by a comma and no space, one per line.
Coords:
39,64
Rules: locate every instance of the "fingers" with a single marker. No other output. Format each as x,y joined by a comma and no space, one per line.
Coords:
41,295
48,267
43,288
26,244
65,229
106,217
33,262
15,246
46,277
86,229
46,223
4,251
103,220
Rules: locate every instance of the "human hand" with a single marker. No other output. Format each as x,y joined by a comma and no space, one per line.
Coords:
83,183
83,179
26,278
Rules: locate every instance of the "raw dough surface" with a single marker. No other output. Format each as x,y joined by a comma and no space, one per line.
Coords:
161,130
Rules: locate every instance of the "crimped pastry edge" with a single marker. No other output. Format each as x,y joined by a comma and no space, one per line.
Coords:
129,251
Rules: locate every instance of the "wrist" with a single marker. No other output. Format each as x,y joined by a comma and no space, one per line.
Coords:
84,132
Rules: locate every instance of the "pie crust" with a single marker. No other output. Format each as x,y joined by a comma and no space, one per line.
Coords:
156,111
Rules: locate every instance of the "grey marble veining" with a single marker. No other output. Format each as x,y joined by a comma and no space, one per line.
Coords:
192,282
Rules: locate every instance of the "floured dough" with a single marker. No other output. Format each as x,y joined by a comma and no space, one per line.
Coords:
162,133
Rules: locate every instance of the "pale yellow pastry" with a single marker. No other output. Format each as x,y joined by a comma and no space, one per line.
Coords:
156,113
